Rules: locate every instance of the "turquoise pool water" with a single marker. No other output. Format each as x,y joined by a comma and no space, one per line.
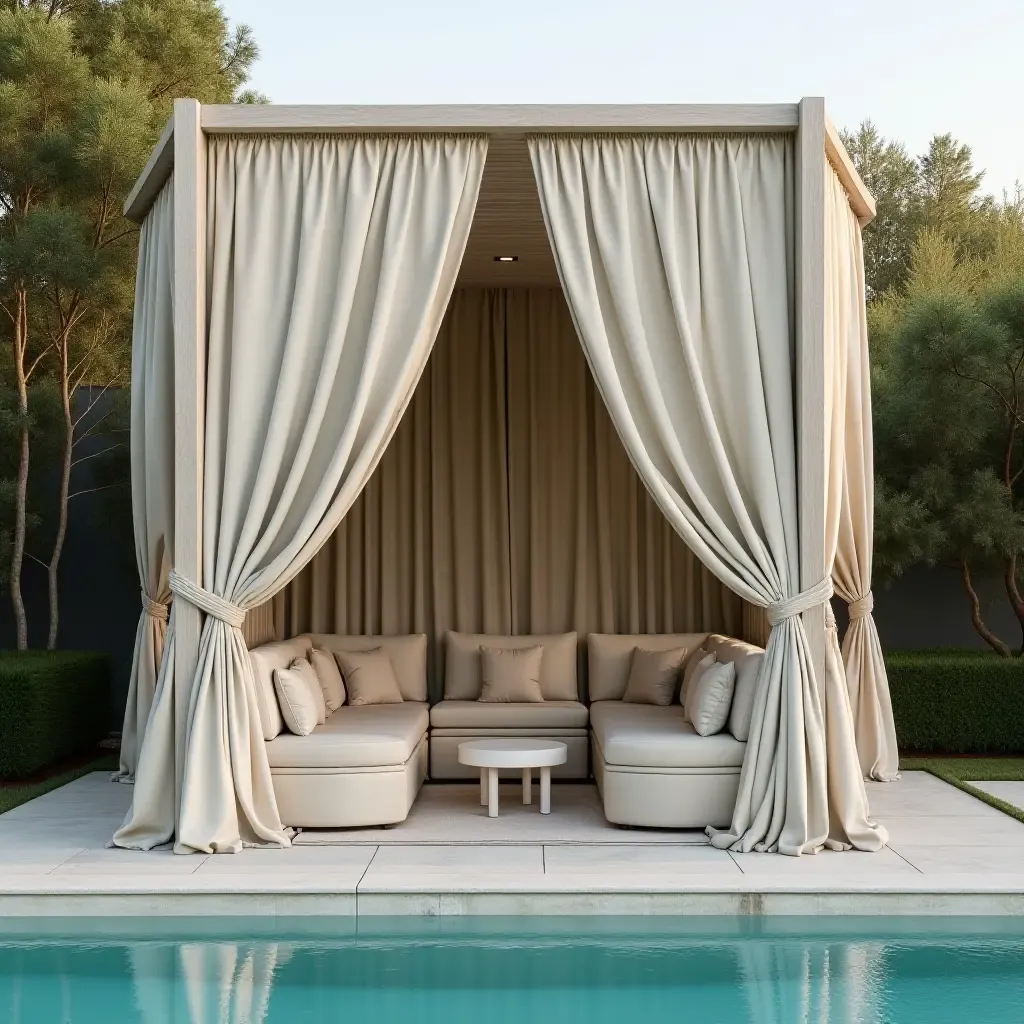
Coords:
486,971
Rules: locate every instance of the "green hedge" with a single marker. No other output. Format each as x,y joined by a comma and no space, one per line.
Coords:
53,704
957,702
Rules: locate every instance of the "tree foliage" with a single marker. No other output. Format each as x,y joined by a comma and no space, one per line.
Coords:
85,89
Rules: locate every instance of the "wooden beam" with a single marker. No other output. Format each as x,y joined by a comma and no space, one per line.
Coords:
810,361
502,118
189,396
153,177
862,202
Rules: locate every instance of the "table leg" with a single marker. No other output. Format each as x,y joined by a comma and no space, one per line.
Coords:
527,785
492,792
545,791
483,786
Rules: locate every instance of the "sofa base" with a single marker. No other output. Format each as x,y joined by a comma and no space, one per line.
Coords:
349,797
444,751
666,797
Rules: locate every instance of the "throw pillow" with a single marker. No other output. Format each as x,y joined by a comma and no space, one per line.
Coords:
369,677
299,697
699,663
511,676
712,698
329,674
653,676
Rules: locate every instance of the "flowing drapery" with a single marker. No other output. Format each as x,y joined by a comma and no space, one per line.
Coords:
676,256
506,503
853,487
330,263
152,463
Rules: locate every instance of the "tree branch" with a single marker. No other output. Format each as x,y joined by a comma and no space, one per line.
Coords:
105,487
86,458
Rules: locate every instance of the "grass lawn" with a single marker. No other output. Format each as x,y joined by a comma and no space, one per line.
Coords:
962,771
14,793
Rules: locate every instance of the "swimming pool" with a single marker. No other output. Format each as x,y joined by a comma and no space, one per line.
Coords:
489,971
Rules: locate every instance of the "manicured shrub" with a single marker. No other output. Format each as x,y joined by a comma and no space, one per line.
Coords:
53,704
957,702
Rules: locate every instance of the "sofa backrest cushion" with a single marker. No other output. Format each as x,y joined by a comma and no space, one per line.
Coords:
408,656
264,660
462,663
747,659
610,656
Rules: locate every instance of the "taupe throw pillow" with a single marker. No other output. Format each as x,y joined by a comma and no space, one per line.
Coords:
329,674
369,677
511,676
299,697
712,698
653,676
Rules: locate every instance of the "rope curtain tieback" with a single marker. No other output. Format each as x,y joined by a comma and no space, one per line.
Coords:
862,607
790,607
154,609
206,601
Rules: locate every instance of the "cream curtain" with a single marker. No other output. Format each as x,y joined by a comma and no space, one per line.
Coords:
331,261
676,257
852,490
506,503
152,463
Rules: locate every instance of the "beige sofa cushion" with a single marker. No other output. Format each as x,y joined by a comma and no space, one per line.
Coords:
654,676
747,658
408,656
474,714
712,698
333,686
647,736
692,677
462,668
263,661
299,697
610,656
510,675
374,736
369,678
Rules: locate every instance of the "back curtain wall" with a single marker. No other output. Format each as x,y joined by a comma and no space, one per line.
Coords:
505,503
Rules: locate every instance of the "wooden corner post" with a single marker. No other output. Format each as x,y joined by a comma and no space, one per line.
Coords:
810,361
189,404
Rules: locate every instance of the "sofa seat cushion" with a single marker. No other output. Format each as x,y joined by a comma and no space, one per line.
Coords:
648,736
371,736
473,714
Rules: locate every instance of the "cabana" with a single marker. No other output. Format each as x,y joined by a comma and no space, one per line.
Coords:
299,455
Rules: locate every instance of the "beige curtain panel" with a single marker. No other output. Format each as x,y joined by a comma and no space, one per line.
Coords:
675,253
506,503
331,261
852,487
152,463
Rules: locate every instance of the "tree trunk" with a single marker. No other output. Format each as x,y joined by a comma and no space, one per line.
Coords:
62,504
982,630
1013,592
21,485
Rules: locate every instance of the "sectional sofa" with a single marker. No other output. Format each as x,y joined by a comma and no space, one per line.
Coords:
365,765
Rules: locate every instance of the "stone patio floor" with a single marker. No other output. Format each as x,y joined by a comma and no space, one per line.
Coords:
949,853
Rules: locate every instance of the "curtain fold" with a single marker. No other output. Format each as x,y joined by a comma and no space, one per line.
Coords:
330,262
852,490
152,464
676,256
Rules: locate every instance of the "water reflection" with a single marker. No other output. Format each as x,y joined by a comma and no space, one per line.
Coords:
560,971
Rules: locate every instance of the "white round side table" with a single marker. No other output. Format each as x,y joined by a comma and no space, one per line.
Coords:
491,755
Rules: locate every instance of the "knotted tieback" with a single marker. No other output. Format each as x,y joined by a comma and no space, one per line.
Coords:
206,601
862,607
155,609
800,603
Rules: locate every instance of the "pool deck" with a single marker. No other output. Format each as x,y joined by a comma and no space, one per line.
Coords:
949,853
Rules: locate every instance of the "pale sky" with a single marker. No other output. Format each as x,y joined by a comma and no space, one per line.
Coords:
915,67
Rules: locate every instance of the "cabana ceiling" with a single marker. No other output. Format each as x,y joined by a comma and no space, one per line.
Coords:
508,221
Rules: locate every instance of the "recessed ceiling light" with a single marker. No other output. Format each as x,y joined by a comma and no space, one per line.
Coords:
506,259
